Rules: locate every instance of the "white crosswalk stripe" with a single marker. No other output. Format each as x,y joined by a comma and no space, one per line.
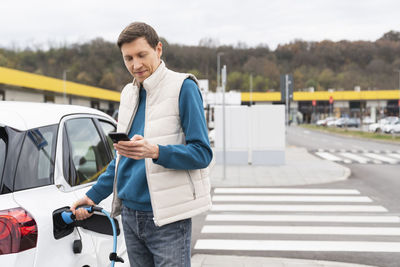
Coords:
381,158
393,155
308,191
359,156
238,217
296,245
328,156
249,198
301,230
305,223
300,208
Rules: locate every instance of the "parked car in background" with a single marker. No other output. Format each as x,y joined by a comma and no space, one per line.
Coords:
348,122
115,114
341,122
368,120
211,136
393,127
353,122
332,123
378,127
49,157
324,122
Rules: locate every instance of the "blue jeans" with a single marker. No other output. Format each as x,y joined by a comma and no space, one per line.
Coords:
151,245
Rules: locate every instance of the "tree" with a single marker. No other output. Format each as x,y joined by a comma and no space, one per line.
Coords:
326,79
235,81
260,84
312,83
391,36
108,81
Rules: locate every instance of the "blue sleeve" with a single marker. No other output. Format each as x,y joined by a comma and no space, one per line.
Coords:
104,185
197,153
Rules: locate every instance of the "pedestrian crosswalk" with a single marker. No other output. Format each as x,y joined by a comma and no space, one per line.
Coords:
298,219
359,156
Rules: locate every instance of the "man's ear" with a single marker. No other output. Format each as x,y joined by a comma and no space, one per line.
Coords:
159,49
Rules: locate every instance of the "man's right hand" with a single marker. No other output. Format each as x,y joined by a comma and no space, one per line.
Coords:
82,214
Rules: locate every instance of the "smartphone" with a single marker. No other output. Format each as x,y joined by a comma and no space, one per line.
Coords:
116,137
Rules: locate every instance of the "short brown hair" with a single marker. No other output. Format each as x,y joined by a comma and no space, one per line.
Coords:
136,30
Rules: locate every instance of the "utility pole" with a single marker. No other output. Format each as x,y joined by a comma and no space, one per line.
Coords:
223,74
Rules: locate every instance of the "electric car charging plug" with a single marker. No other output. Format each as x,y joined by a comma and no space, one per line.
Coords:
68,217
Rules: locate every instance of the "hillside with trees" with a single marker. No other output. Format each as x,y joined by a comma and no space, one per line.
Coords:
322,65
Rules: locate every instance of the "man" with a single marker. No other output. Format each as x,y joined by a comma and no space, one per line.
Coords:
159,178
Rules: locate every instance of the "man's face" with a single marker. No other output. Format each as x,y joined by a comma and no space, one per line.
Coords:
140,58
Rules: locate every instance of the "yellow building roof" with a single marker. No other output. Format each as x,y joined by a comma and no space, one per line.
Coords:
324,96
41,82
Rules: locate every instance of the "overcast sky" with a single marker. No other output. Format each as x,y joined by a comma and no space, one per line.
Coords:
272,22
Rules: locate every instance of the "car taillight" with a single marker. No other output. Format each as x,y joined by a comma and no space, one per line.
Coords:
18,231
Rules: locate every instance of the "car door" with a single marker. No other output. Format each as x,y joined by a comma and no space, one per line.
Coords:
102,243
36,191
90,151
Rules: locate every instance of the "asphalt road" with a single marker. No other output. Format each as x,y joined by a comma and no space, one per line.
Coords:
377,179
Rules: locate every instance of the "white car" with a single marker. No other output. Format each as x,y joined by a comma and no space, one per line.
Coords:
393,127
50,155
332,123
324,122
379,126
368,120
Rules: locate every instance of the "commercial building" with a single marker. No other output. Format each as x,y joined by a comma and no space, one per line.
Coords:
18,85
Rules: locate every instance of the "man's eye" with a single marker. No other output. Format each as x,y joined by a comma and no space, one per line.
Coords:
128,58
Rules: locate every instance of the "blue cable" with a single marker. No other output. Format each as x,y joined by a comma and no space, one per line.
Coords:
69,218
114,233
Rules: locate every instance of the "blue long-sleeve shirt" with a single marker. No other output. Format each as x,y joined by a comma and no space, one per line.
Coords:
196,154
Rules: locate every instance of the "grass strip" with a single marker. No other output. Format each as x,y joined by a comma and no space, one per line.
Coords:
354,133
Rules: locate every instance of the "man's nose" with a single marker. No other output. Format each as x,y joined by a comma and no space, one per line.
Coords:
137,64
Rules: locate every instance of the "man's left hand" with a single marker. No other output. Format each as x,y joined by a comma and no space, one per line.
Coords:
137,148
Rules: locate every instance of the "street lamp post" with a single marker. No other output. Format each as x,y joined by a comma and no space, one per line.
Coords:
219,54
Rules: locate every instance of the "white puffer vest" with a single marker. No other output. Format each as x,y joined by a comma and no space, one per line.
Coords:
175,194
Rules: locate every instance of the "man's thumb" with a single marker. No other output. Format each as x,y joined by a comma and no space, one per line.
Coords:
137,137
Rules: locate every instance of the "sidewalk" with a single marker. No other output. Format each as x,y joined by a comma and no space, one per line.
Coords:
301,168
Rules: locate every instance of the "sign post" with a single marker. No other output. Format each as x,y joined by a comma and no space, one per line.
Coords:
330,105
314,103
286,93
